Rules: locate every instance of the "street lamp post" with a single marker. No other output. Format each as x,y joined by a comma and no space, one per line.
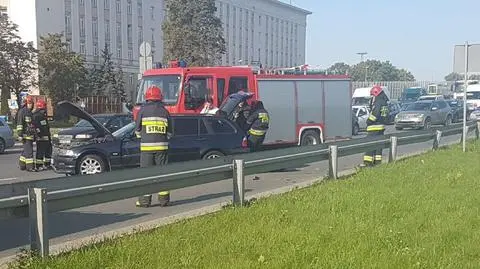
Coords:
465,99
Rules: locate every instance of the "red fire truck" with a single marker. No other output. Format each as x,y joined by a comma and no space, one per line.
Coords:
304,109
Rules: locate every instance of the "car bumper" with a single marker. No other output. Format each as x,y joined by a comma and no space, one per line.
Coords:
409,124
64,164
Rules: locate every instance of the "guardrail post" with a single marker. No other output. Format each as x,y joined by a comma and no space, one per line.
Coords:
38,215
436,139
392,155
333,161
238,183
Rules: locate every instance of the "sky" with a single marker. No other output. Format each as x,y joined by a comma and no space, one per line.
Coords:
416,35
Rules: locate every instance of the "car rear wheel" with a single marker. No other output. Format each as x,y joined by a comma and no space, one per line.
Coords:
310,137
427,124
448,121
2,146
90,165
213,154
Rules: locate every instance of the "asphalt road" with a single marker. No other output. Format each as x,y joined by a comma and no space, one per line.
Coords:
92,220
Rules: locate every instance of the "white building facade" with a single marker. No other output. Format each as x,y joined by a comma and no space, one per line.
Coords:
267,31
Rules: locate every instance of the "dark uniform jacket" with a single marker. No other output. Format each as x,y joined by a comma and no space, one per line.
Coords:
258,122
41,125
25,127
379,114
153,125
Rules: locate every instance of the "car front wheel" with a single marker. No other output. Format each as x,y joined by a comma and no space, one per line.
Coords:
2,146
90,165
213,154
448,121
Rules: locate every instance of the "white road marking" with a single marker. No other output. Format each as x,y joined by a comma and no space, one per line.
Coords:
8,179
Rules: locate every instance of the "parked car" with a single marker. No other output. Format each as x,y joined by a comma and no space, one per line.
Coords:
431,97
457,109
84,130
423,114
6,136
194,137
393,110
362,114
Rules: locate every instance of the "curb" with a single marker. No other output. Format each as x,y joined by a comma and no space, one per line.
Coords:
157,223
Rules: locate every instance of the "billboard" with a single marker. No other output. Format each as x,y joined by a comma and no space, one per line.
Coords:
473,59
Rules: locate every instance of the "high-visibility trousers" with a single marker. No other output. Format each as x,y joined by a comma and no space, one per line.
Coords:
26,161
374,157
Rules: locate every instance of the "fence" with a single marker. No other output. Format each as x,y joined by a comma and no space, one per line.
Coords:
395,87
38,198
102,104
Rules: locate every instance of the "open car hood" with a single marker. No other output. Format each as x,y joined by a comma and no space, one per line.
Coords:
71,109
233,100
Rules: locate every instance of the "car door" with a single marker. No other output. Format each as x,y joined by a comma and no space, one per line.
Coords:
221,135
185,143
362,115
444,110
131,150
436,112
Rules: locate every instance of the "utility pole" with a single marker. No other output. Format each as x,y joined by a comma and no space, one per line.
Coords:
464,133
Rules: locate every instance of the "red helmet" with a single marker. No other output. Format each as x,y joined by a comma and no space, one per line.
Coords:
153,93
376,90
41,104
28,100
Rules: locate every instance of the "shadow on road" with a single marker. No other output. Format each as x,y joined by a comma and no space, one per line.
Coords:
14,233
204,198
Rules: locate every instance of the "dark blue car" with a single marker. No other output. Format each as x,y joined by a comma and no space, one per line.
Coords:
194,137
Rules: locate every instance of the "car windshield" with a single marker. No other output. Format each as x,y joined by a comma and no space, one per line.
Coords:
355,110
361,101
124,130
473,95
418,107
170,85
86,124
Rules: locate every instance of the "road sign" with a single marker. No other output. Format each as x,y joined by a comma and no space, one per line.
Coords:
145,63
145,49
473,59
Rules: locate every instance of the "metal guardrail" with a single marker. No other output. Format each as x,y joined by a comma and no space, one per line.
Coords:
35,199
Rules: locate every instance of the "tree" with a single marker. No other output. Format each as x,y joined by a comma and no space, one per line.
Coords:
106,74
192,32
17,63
119,86
339,69
372,70
454,77
60,70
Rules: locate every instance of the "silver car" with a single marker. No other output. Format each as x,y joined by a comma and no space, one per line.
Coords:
424,114
6,136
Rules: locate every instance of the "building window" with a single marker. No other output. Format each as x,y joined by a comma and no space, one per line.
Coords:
82,2
106,4
130,54
94,3
129,33
119,31
139,9
118,7
153,37
107,29
119,53
140,34
130,79
95,28
82,26
152,12
82,48
95,49
129,7
68,23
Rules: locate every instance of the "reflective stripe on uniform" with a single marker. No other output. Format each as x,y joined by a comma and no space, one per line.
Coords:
154,120
257,132
22,159
28,119
29,161
28,137
19,127
39,161
372,117
373,128
43,138
378,157
47,160
138,134
159,146
367,158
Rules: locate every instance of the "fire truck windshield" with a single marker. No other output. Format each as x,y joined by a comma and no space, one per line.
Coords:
170,85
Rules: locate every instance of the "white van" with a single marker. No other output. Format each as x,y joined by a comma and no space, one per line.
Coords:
473,96
361,96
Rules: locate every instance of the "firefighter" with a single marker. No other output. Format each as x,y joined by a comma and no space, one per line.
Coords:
257,123
26,134
153,127
375,123
42,158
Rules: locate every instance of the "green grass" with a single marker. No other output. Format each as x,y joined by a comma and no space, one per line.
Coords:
423,212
